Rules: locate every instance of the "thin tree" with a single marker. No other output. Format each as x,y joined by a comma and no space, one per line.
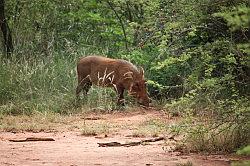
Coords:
111,5
7,38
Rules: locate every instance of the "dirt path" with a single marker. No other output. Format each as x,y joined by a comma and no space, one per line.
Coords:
71,148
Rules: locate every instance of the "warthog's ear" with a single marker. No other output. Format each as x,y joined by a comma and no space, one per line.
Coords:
141,72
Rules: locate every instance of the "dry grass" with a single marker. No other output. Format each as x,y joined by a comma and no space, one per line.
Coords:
151,128
95,129
189,163
87,122
33,123
57,122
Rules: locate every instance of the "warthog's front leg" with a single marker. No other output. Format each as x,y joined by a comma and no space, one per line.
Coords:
120,90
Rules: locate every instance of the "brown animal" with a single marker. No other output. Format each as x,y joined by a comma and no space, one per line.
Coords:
117,73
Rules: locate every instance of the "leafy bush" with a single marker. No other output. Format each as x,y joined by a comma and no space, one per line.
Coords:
244,151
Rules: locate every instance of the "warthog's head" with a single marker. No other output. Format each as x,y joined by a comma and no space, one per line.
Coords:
139,91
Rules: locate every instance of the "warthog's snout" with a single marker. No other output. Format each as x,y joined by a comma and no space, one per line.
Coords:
144,101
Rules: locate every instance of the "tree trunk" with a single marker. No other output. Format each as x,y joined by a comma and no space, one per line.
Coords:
7,39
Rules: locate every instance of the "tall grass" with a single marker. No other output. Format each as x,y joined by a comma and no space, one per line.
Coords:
101,99
41,84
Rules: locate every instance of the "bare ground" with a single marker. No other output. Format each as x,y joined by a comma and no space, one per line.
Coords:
71,148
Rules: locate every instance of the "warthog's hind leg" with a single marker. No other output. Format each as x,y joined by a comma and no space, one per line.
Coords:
86,87
83,84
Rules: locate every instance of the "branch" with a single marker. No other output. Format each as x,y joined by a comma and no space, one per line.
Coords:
117,144
121,22
31,139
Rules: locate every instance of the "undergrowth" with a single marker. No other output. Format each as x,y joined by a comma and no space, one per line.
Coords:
223,126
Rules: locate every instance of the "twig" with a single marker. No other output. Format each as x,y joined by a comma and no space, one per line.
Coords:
31,139
117,144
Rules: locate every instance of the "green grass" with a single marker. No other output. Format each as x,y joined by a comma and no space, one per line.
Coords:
241,163
244,151
100,99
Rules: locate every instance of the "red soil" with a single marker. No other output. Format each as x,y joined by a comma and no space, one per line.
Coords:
70,148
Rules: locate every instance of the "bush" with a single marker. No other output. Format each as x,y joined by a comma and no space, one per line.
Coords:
244,151
220,126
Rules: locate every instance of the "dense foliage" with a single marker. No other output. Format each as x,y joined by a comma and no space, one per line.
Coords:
196,53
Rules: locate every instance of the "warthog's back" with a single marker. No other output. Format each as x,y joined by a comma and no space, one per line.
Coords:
105,71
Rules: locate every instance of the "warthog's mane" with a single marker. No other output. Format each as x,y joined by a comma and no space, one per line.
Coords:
130,64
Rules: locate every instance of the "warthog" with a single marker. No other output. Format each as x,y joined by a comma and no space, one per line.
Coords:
117,73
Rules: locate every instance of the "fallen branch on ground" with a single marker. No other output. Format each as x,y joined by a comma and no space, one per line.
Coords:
117,144
31,139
